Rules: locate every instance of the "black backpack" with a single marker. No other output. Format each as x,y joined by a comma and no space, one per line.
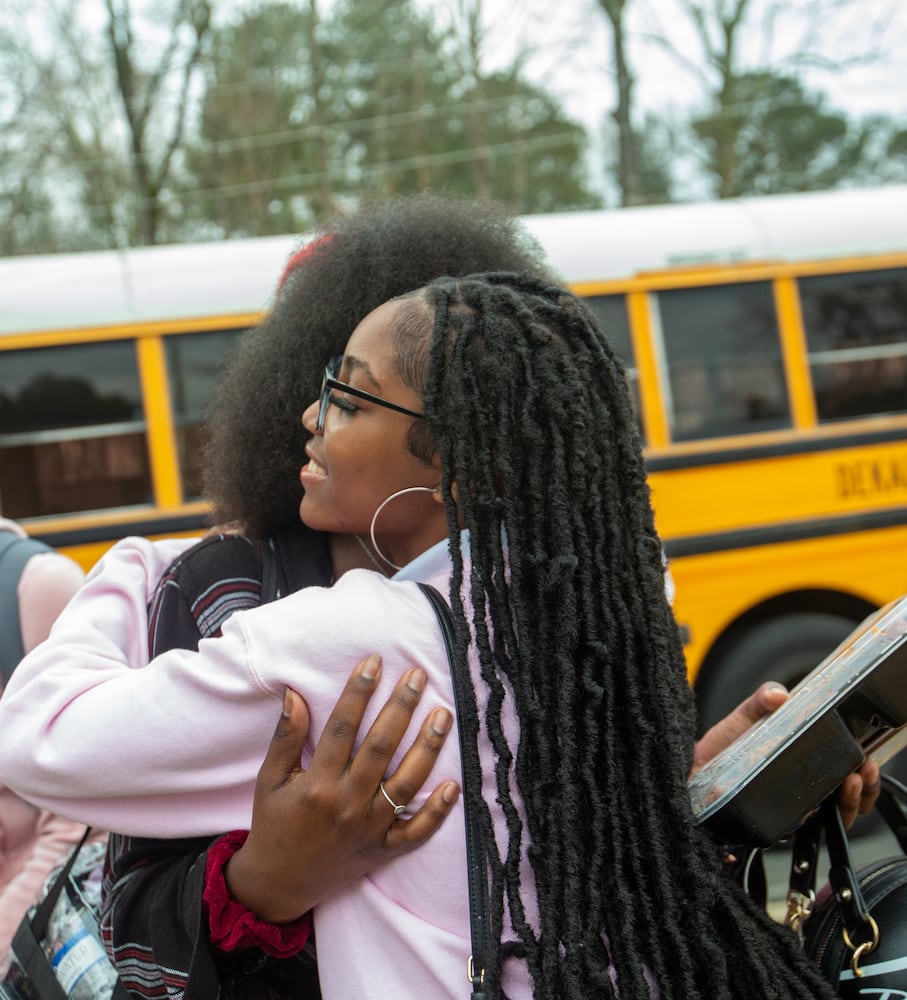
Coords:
15,551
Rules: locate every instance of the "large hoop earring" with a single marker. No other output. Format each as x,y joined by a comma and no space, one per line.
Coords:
381,506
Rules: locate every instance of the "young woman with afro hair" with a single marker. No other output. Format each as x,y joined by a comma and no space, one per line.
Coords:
155,910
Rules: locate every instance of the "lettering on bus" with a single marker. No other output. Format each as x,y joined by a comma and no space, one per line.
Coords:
865,478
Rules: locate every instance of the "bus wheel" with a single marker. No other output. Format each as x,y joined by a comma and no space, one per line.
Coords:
783,649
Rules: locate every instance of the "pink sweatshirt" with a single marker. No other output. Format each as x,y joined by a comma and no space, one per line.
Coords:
174,749
32,841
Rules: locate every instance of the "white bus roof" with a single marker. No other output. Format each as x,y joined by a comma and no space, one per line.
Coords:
239,276
143,283
596,246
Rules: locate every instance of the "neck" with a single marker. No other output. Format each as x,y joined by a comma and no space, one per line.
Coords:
347,553
353,552
394,555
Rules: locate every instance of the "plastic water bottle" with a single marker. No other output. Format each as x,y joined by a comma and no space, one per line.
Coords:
77,957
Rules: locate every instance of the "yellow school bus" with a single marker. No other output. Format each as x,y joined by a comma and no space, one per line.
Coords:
106,361
765,341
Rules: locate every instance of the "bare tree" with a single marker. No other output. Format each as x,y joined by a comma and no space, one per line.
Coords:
155,121
628,153
782,38
60,173
322,197
155,125
107,112
468,23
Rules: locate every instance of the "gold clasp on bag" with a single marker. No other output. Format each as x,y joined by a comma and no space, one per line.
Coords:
862,949
471,973
799,907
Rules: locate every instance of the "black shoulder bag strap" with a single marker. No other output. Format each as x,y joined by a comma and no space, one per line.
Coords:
477,879
859,925
29,937
801,895
28,943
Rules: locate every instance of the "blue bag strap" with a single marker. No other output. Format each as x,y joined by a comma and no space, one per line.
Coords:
15,552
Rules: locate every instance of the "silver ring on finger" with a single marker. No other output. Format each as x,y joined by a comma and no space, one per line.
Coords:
397,809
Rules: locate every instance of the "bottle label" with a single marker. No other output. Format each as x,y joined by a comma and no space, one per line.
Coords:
76,957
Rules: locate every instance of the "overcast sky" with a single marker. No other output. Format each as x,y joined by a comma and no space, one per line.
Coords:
571,46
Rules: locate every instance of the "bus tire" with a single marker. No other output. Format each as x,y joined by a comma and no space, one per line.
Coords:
782,649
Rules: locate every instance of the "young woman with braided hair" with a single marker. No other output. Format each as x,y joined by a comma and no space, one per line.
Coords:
480,430
542,454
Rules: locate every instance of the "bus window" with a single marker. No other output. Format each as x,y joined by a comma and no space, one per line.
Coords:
723,355
72,430
856,331
611,311
193,363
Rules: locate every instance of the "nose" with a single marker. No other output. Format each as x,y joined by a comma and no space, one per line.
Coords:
310,418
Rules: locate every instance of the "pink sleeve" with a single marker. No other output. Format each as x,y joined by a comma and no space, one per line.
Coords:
47,583
50,703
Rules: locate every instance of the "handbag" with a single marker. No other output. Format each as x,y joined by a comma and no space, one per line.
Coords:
856,928
56,950
852,705
757,792
477,879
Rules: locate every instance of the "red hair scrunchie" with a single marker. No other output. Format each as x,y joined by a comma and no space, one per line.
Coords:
234,926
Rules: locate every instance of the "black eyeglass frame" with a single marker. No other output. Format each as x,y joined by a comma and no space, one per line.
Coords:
331,381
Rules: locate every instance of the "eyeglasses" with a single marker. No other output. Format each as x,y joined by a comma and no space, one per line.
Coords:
331,382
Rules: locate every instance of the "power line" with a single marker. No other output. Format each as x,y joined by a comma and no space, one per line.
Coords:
356,174
425,113
391,166
428,114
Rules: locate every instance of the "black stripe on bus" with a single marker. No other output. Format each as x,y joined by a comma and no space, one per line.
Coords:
799,446
112,532
820,527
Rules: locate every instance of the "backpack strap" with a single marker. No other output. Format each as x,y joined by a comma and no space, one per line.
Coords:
15,552
270,572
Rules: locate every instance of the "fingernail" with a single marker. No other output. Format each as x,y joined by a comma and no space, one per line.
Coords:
775,686
415,680
440,721
370,667
450,793
287,703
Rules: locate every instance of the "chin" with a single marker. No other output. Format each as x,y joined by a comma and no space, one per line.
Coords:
308,516
317,520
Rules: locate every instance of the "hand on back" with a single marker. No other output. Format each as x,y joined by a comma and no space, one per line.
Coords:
315,830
